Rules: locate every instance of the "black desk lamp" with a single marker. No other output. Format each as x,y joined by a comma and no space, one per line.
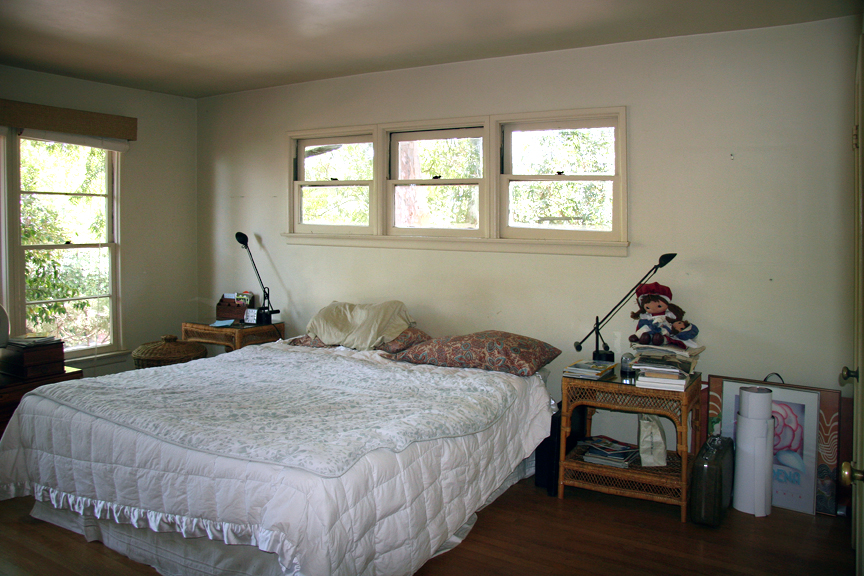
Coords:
606,354
265,312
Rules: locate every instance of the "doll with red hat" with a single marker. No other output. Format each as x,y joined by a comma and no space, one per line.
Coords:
655,315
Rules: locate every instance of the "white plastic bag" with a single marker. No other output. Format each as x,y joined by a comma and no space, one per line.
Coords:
652,440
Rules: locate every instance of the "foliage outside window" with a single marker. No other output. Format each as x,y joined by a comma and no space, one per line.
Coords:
333,187
552,182
66,246
435,181
561,178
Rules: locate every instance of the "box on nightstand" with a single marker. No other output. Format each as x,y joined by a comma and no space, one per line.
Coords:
233,309
29,362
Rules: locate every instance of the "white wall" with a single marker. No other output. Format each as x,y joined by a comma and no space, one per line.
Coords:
158,221
764,240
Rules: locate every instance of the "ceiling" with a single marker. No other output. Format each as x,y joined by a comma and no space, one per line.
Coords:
200,48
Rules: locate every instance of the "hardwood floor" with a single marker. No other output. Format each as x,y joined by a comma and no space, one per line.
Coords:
527,533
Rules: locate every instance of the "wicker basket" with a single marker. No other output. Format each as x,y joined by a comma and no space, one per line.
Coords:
168,351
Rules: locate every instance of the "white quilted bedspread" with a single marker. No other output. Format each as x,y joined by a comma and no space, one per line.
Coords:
340,462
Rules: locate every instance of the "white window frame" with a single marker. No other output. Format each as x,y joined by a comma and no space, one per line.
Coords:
607,117
318,138
394,138
13,267
494,235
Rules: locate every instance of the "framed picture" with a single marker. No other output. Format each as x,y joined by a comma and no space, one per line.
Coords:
827,436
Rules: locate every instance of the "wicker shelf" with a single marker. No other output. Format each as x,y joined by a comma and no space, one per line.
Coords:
232,337
666,484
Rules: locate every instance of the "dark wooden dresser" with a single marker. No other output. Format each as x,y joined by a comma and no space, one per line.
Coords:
13,388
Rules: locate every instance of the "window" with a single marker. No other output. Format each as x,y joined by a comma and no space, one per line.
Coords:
435,185
62,250
551,182
562,179
333,187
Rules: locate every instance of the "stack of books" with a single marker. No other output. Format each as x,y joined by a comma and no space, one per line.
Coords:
664,367
609,452
33,357
590,369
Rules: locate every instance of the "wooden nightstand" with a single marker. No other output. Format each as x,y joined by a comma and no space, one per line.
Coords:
668,483
232,337
12,389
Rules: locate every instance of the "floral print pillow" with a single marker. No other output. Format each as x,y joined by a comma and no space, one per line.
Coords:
408,338
309,341
487,350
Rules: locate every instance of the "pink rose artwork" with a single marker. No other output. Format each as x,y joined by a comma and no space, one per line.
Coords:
788,435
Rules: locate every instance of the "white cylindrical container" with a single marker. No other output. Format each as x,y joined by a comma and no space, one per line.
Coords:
754,452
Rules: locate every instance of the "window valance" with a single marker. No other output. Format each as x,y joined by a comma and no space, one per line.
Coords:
53,119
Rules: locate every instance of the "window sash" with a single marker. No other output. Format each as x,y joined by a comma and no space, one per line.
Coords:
394,183
13,259
603,118
454,231
299,145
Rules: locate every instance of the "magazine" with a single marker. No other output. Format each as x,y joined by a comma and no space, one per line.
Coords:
590,369
607,461
608,446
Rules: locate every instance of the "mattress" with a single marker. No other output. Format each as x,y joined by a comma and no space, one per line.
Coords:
332,461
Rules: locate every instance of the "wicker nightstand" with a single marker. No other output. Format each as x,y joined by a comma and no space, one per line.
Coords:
662,484
232,337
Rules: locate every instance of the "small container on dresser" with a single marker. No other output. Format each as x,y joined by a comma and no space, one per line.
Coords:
34,361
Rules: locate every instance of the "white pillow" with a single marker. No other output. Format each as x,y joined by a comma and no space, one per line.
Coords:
360,326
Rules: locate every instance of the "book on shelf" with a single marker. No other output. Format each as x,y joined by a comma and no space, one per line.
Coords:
590,369
665,363
665,375
608,451
607,445
650,349
592,458
661,384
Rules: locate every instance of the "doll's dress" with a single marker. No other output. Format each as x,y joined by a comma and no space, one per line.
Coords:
655,324
685,338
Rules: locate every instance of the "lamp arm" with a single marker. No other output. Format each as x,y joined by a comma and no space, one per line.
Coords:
627,296
264,291
598,324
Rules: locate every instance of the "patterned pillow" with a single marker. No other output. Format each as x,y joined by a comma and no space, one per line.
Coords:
488,350
408,338
309,341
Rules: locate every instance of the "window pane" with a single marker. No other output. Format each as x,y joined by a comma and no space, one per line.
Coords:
72,273
572,152
446,158
57,219
335,205
80,324
561,205
339,161
58,167
447,206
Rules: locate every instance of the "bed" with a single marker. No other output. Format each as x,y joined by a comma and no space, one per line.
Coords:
281,458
